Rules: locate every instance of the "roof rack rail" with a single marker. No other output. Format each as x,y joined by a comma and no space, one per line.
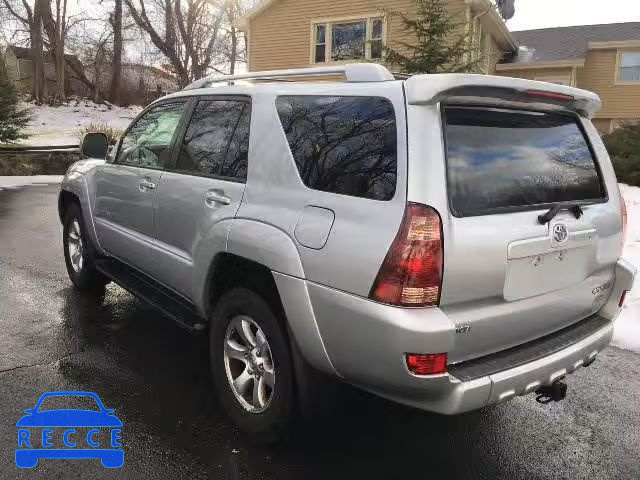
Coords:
354,72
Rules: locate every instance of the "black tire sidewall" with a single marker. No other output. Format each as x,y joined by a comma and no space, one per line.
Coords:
272,424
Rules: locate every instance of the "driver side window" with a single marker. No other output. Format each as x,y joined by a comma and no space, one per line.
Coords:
147,142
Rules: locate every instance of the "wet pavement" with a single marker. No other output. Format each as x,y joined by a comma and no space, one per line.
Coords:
155,376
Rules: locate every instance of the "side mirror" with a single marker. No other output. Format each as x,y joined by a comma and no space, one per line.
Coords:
109,411
29,411
95,145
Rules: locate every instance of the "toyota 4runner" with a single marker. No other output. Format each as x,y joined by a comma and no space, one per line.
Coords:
445,241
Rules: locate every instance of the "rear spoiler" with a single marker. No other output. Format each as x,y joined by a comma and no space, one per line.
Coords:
432,89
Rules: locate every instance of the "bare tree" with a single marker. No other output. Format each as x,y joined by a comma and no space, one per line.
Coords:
56,30
186,32
115,20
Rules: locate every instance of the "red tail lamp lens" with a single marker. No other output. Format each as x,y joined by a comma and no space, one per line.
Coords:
427,363
552,95
623,297
624,223
411,274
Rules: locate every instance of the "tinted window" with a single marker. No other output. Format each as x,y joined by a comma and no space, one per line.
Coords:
147,142
342,145
217,139
505,158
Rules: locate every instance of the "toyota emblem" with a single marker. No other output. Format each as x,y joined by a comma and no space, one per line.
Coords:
560,233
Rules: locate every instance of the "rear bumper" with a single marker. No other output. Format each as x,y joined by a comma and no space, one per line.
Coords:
366,343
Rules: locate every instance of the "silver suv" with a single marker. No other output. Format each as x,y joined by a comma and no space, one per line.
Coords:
444,241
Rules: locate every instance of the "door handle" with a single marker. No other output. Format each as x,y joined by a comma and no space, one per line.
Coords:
146,184
217,196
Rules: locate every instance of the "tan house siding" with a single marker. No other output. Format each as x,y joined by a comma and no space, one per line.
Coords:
280,36
534,73
619,102
603,125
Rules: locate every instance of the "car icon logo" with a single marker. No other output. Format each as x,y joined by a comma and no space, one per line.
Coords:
69,433
560,233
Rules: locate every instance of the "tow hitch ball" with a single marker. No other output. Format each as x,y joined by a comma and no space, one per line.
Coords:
552,393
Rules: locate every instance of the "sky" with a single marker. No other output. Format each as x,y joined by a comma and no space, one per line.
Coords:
532,14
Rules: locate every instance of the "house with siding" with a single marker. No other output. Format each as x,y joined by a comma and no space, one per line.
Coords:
285,34
604,59
20,69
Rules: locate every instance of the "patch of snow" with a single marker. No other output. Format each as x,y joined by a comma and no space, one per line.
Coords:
58,125
627,330
21,181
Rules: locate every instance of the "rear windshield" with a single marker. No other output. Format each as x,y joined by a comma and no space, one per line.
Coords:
500,159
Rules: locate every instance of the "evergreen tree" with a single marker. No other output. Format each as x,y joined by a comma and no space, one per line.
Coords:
12,118
442,42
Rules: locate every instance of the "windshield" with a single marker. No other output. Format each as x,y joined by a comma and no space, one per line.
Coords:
499,159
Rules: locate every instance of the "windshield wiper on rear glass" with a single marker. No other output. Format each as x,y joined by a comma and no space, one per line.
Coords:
574,208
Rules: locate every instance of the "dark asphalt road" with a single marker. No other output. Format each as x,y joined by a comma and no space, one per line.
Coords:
155,376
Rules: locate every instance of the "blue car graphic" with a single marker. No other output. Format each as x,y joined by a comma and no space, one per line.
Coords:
28,453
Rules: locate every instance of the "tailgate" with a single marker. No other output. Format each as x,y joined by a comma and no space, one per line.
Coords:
509,277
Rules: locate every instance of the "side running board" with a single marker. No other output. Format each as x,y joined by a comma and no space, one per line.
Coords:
145,288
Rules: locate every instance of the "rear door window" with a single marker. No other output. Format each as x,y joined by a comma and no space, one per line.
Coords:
216,142
343,145
504,160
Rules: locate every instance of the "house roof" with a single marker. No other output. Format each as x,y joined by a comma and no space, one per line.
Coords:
25,54
568,43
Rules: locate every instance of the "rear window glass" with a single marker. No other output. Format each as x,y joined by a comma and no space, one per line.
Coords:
343,145
508,159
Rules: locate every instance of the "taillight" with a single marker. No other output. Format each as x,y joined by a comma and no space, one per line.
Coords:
411,274
623,297
427,363
624,223
552,95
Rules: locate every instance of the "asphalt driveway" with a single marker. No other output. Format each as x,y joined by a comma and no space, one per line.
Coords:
155,376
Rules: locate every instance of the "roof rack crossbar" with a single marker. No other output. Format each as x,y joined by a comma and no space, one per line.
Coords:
354,72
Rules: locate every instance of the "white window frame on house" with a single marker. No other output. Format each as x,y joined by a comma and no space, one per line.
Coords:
619,66
329,23
557,79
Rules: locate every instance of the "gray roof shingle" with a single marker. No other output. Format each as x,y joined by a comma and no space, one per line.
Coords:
568,43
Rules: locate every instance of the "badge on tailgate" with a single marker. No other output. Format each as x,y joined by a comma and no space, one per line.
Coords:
559,234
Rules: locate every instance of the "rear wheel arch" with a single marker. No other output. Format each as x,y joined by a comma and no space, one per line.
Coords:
228,271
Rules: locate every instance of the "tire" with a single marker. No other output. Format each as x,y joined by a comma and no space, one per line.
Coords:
267,415
81,269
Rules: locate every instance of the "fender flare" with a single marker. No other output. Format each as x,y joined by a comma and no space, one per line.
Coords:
76,184
273,248
266,245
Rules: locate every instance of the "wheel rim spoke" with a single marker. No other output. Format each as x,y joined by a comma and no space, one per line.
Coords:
257,401
236,351
246,334
241,383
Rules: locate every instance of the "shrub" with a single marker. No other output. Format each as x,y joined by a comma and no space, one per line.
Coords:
12,118
113,134
623,145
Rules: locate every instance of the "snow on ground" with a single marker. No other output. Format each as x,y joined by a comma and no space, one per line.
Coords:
627,332
52,126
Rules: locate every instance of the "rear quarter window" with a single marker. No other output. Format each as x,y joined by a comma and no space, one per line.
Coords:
344,145
504,160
